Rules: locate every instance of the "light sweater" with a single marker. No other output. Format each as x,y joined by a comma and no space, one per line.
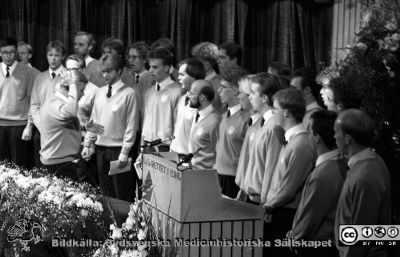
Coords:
60,136
43,88
184,120
15,94
295,163
231,135
160,111
119,115
203,136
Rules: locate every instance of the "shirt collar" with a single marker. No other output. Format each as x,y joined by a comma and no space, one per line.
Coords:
29,64
268,115
60,95
210,76
57,71
293,131
163,84
88,59
254,117
140,74
363,155
332,155
205,112
116,86
11,68
312,106
234,109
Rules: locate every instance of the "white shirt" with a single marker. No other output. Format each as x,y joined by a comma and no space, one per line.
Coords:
294,131
88,59
363,155
210,76
11,68
332,155
166,82
234,109
268,115
254,117
57,71
116,86
312,106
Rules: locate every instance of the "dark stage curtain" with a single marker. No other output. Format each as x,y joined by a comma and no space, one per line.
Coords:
296,32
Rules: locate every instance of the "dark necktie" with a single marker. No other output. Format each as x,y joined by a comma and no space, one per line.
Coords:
228,114
187,100
158,87
137,78
53,75
197,117
8,71
262,121
109,92
250,122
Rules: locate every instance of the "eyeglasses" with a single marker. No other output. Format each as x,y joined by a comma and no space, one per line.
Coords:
8,53
274,109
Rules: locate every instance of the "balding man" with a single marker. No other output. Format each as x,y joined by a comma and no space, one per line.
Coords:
203,134
84,44
365,197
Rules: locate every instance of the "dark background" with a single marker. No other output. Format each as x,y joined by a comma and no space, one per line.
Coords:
296,32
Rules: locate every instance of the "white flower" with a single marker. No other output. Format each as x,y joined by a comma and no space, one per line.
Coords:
116,232
129,223
143,224
114,249
84,213
391,25
396,36
141,234
362,46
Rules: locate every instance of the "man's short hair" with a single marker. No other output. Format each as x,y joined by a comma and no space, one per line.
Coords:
115,44
142,48
8,41
56,44
307,77
206,51
344,93
194,68
112,62
233,75
165,43
208,91
282,69
91,40
358,125
232,50
79,59
292,100
163,54
269,85
245,83
28,46
323,126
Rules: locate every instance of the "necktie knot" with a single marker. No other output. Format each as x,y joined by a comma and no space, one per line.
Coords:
8,71
262,121
137,78
109,92
250,122
197,117
187,100
228,114
53,75
158,87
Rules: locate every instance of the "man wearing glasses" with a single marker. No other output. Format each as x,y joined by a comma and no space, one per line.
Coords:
16,81
232,131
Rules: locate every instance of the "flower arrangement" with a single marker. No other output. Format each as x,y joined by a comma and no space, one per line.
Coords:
136,237
63,208
370,68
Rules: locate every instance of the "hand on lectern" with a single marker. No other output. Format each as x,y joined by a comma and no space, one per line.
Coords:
138,165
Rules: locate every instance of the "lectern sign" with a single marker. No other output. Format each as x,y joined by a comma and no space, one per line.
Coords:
173,173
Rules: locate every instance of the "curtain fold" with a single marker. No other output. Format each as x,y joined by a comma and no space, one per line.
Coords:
291,31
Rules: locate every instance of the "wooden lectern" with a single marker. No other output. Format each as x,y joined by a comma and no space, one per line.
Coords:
188,210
